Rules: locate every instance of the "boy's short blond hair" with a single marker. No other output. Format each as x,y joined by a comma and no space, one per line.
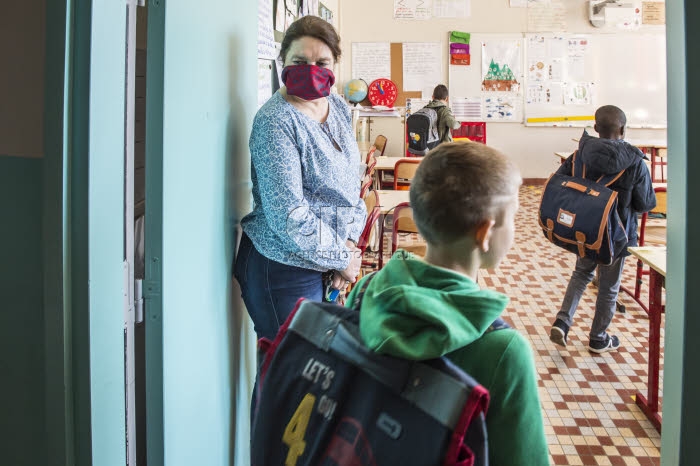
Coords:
459,185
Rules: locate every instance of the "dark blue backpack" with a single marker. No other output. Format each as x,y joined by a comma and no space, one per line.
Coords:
580,215
421,128
325,399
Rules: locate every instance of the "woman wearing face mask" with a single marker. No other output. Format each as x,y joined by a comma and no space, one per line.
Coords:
307,214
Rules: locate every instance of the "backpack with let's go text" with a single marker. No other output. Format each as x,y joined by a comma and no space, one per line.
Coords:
580,215
421,127
325,399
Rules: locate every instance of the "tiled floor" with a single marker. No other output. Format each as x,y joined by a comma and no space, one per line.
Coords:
587,399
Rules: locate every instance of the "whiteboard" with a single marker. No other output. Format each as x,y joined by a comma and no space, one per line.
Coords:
623,69
464,82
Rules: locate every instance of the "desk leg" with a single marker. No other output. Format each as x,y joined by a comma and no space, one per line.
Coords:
650,406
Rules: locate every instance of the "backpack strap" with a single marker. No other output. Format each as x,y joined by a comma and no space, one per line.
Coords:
357,302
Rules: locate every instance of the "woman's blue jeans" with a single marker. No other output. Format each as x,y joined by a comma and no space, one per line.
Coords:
270,289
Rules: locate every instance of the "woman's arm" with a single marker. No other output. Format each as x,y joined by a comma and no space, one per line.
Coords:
303,230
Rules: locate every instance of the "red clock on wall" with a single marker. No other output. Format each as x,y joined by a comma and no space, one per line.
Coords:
383,91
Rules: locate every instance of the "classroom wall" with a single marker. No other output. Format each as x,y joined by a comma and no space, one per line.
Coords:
531,147
209,78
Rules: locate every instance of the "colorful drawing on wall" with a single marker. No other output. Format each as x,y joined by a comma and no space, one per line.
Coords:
500,107
501,65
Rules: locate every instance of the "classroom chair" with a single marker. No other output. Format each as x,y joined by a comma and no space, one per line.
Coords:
652,232
380,143
404,171
404,226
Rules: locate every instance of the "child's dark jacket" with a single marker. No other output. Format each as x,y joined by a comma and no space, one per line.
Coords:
635,192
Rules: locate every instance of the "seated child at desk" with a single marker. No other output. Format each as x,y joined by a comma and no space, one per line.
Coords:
464,199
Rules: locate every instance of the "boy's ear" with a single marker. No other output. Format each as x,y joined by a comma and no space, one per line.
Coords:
483,234
622,131
595,128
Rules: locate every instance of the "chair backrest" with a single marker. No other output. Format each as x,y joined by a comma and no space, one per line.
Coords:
366,184
380,144
403,223
404,171
373,211
371,154
661,208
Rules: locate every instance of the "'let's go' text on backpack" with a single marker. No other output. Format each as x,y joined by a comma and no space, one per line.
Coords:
325,399
422,131
580,215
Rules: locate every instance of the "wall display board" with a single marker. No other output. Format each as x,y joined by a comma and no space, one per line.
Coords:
415,67
491,87
568,76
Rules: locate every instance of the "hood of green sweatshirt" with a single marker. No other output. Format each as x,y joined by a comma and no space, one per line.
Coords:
415,310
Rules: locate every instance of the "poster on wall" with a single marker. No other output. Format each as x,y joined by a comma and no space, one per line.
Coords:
452,8
501,107
501,65
371,60
549,17
264,81
280,17
579,94
413,9
325,13
422,67
266,35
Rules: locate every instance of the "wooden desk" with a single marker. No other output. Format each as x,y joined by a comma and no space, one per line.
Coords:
388,199
655,258
384,164
563,155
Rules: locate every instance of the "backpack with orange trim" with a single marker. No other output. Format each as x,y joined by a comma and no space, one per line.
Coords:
580,215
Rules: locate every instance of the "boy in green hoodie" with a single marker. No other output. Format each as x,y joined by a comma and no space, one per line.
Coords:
464,198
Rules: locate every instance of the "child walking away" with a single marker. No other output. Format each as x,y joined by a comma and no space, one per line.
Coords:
635,194
464,198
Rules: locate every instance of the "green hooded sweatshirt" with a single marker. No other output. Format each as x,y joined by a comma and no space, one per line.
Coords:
415,310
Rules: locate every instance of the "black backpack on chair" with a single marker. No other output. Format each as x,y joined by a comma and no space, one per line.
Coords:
422,131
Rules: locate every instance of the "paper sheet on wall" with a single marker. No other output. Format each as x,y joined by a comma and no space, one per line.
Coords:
501,62
266,36
466,108
547,17
518,3
280,17
413,9
422,66
371,60
264,81
579,94
545,94
502,107
452,8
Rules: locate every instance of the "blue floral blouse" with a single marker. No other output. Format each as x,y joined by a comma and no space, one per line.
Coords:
306,191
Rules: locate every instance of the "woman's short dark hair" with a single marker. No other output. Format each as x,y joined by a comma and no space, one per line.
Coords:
311,26
457,186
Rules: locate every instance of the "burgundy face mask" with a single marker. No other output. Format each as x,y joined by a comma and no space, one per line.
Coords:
308,82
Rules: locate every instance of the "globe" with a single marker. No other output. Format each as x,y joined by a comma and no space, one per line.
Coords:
356,90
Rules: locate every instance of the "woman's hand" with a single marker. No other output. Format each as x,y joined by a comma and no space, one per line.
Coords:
353,269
